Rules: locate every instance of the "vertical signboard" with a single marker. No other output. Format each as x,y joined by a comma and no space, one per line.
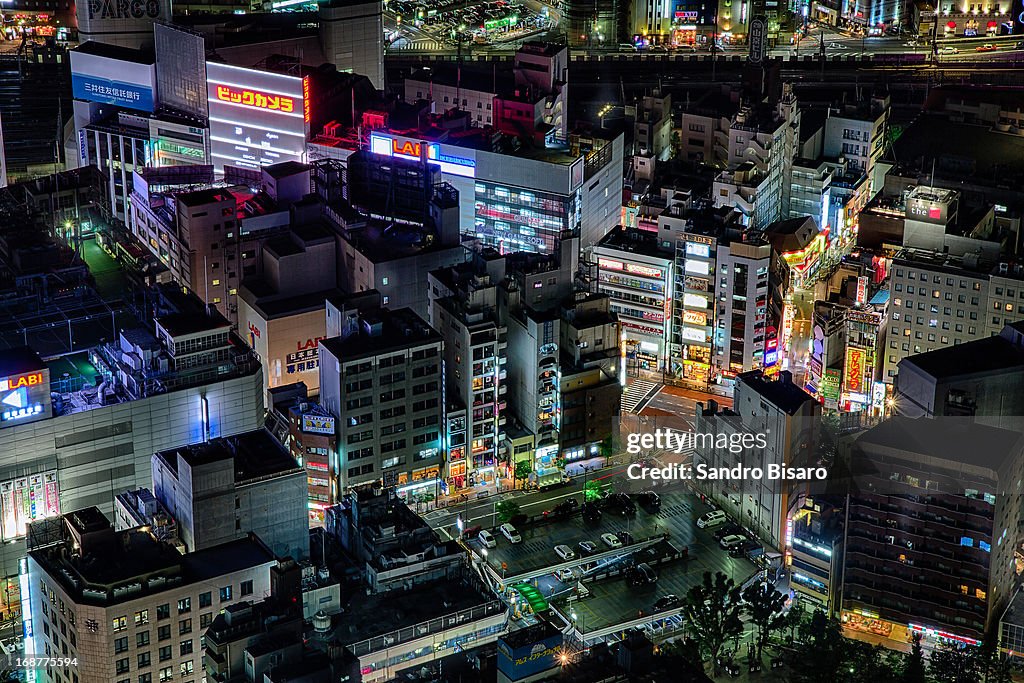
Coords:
257,118
856,360
862,290
758,40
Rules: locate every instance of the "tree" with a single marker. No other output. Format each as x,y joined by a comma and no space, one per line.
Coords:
792,621
522,470
913,667
764,606
953,664
712,614
506,510
594,490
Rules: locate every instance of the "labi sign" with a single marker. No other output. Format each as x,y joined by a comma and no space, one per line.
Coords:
123,9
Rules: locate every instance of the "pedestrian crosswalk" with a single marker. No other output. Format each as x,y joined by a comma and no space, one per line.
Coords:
425,45
637,393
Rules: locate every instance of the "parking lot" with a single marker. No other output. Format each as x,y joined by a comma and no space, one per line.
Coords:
536,555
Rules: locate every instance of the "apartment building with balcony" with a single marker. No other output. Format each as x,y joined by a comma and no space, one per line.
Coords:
930,534
858,132
463,308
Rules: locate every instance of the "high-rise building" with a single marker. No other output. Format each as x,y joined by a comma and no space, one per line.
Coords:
128,606
210,239
225,488
929,540
858,132
635,270
281,310
464,310
382,379
936,300
788,418
757,145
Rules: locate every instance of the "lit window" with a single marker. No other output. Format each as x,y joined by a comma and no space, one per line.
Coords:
980,594
216,283
967,541
384,281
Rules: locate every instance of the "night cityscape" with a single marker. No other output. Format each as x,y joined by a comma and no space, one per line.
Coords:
509,341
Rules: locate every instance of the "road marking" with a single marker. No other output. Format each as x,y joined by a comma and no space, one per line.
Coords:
635,393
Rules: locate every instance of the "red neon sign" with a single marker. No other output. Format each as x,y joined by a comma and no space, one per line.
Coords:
30,380
305,98
254,98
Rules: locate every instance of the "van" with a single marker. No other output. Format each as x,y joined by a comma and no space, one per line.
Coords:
709,519
486,539
510,533
626,47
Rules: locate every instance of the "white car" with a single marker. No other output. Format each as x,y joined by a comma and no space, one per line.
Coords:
564,575
611,540
487,539
509,532
731,541
950,51
564,552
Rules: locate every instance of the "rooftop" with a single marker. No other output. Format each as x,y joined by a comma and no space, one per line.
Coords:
255,455
109,51
110,567
636,241
193,322
781,393
959,441
382,331
285,169
992,355
207,196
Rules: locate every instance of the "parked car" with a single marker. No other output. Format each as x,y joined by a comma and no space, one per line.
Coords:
642,575
588,547
621,503
611,540
472,532
509,532
564,575
591,513
745,548
564,552
731,540
486,539
625,538
649,500
709,519
563,509
727,530
667,602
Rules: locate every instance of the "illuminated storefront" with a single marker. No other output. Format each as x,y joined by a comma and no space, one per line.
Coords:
804,263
